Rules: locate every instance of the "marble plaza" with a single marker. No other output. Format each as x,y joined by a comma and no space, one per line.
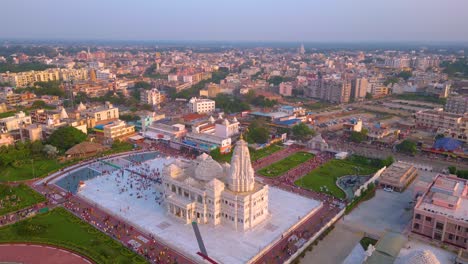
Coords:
140,202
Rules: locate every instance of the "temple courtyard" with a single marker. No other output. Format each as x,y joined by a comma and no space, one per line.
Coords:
139,201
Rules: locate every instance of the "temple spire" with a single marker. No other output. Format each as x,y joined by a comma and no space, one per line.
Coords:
241,175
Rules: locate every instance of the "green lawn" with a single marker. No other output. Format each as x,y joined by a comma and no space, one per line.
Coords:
24,171
61,228
327,174
17,197
282,166
261,153
254,154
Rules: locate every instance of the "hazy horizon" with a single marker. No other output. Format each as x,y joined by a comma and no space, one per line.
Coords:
314,21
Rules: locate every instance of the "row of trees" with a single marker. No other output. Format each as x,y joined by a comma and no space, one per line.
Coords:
258,132
460,173
23,152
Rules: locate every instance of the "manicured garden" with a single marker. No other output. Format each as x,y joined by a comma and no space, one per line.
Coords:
282,166
61,228
14,198
254,154
323,178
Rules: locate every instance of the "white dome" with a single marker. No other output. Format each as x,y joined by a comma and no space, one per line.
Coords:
423,257
207,168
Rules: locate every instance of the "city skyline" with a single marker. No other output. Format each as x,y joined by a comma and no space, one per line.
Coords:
299,21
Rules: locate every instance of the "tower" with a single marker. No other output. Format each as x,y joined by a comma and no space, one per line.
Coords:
241,175
302,49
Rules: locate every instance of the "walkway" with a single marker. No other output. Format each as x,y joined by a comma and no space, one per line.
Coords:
38,254
277,156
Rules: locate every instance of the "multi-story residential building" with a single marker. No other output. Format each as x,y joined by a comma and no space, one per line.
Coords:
285,88
13,99
24,79
438,119
118,129
359,88
449,124
198,105
31,132
41,116
101,114
441,90
379,91
440,212
151,97
11,123
332,90
457,105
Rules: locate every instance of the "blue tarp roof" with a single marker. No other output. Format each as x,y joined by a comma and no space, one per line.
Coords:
447,144
288,122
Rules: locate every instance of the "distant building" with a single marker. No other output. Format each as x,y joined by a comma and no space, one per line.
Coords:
196,105
151,97
117,130
11,123
457,105
208,142
359,88
101,114
440,212
449,124
330,89
285,88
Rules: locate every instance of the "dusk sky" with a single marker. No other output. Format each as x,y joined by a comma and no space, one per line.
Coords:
240,20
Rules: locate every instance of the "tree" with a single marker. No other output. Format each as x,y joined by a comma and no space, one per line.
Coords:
302,132
452,169
258,132
407,146
66,137
50,151
405,75
358,137
142,84
368,96
38,104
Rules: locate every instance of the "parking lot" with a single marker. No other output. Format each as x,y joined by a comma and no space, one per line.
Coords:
386,211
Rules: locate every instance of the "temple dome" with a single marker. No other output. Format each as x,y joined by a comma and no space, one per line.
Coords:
423,257
207,168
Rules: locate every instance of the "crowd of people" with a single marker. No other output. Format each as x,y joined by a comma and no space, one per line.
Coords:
295,173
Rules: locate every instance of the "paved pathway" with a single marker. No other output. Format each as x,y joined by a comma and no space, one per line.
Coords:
158,252
335,247
38,254
276,156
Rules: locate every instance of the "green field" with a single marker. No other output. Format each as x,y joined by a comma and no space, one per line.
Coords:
17,197
327,174
282,166
24,170
254,154
61,228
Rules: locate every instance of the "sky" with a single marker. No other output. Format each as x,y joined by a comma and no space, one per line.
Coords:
239,20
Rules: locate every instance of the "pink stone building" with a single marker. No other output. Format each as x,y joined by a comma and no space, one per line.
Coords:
441,212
